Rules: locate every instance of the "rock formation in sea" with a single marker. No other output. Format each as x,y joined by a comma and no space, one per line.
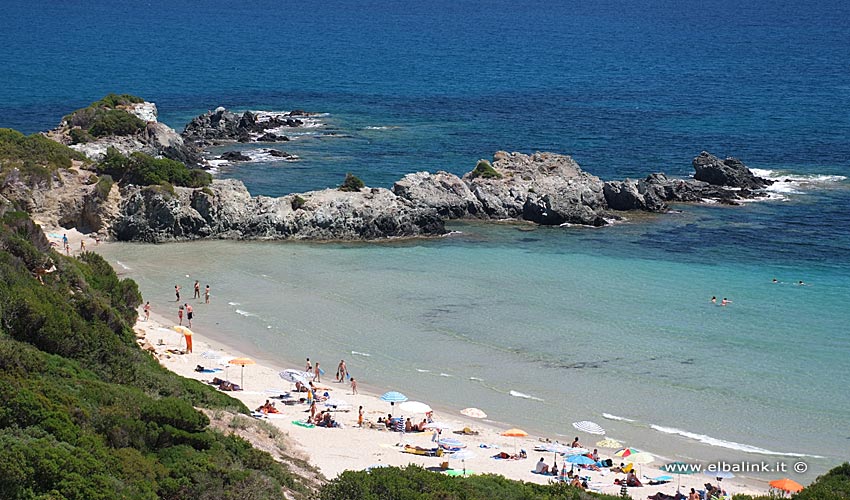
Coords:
222,125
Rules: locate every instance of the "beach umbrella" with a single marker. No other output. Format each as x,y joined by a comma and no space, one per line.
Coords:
580,460
242,362
295,376
515,433
640,459
589,427
625,452
187,335
473,412
414,407
720,474
463,456
452,443
609,443
576,451
393,397
680,469
786,484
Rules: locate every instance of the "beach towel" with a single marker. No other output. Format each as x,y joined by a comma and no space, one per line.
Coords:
300,423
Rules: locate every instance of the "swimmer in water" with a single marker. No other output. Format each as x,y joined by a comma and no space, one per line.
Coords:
725,301
800,283
775,280
713,299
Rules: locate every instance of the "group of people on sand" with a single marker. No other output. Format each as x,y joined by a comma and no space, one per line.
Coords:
66,246
341,374
267,408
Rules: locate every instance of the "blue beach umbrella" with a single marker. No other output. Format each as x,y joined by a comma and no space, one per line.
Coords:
392,398
580,460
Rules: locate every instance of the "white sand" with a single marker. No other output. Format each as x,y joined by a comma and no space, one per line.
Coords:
351,448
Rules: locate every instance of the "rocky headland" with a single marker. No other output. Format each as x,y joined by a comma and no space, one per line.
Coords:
543,188
222,126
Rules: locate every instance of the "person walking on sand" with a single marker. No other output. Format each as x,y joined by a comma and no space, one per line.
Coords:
177,292
197,290
360,417
309,367
207,295
341,371
64,240
312,411
353,386
147,311
189,314
317,373
180,315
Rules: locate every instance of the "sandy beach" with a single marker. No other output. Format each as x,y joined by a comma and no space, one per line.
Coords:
349,447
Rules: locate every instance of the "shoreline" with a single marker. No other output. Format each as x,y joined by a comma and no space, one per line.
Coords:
358,448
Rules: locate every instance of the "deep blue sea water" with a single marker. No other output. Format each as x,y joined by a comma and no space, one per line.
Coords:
626,88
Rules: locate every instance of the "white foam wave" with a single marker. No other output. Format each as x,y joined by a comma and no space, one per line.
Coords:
477,379
356,353
123,266
234,304
421,370
445,374
244,313
615,417
523,395
702,438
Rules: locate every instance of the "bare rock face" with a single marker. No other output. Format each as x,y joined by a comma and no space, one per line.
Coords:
226,210
729,172
222,125
444,192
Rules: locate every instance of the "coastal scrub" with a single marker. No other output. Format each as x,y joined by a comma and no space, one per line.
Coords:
351,183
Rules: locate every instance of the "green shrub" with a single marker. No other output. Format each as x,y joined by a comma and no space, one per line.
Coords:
106,122
79,136
36,156
207,191
485,170
103,186
298,202
115,100
176,413
145,170
351,183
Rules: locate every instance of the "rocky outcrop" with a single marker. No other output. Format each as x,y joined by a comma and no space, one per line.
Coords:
226,210
155,139
234,156
545,188
730,172
222,125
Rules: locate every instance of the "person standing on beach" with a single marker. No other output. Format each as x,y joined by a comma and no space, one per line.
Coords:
189,314
64,240
147,311
354,387
177,292
359,413
197,290
341,371
317,373
82,246
207,295
309,367
180,315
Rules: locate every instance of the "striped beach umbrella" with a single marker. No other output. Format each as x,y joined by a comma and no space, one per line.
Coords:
393,397
589,427
625,452
473,412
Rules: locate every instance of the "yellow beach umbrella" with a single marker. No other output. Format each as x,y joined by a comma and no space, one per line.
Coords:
187,334
609,443
242,362
640,459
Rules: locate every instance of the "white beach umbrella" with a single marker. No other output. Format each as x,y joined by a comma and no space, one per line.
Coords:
414,407
473,412
570,451
589,427
294,376
463,456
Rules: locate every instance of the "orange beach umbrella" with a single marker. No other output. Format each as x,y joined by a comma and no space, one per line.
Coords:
787,485
187,334
242,362
515,433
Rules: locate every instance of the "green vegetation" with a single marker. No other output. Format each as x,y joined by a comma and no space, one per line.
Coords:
415,483
485,170
84,412
104,117
145,170
79,136
298,202
103,186
35,156
351,183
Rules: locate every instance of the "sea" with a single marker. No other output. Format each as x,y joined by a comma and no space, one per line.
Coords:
538,326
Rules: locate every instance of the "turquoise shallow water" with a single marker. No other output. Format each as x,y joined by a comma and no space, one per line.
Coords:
573,321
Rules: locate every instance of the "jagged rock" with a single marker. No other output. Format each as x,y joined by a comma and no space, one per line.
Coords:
444,192
235,156
224,125
729,172
226,210
281,154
